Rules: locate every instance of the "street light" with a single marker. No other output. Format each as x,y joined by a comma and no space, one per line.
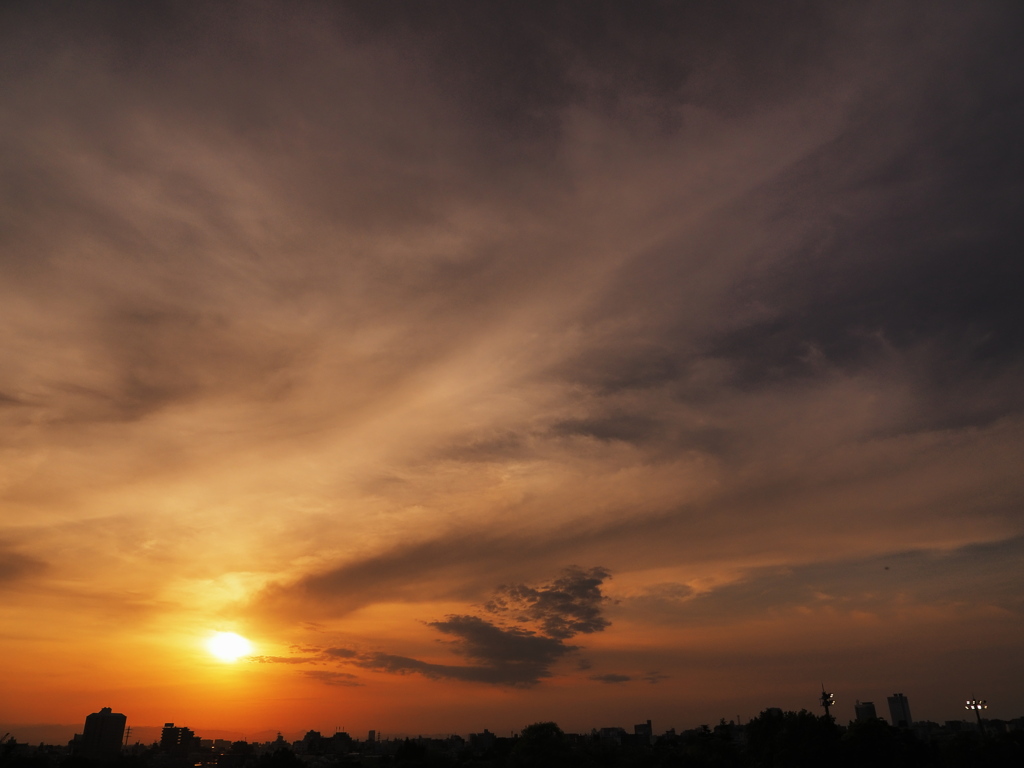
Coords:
977,705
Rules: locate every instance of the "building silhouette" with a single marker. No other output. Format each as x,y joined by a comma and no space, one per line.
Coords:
177,740
644,733
899,711
102,735
864,711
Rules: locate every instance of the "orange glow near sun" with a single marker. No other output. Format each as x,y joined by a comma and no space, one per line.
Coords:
228,646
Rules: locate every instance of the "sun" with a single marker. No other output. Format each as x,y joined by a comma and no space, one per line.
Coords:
227,646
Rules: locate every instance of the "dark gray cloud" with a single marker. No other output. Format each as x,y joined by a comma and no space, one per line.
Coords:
16,566
612,426
500,655
465,566
525,674
6,401
503,655
896,240
459,565
487,448
329,677
481,640
655,677
570,605
346,587
888,248
477,559
512,655
515,65
340,653
611,678
942,579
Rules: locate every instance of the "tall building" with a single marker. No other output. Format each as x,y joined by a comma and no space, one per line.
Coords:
899,711
102,735
644,733
865,711
178,740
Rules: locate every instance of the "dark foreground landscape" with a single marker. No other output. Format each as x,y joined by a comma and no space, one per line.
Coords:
774,738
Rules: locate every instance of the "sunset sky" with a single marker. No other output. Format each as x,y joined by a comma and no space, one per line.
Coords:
485,363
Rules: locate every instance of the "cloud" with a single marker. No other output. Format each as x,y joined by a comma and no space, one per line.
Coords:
611,678
523,672
501,655
16,566
939,579
614,426
314,308
328,677
474,557
340,653
513,655
566,607
487,448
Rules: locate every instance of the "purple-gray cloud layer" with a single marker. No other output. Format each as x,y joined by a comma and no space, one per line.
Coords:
950,578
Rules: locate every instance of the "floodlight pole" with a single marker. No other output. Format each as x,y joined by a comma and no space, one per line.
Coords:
827,700
977,705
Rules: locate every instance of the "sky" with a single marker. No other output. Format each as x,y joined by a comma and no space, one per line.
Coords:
486,363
